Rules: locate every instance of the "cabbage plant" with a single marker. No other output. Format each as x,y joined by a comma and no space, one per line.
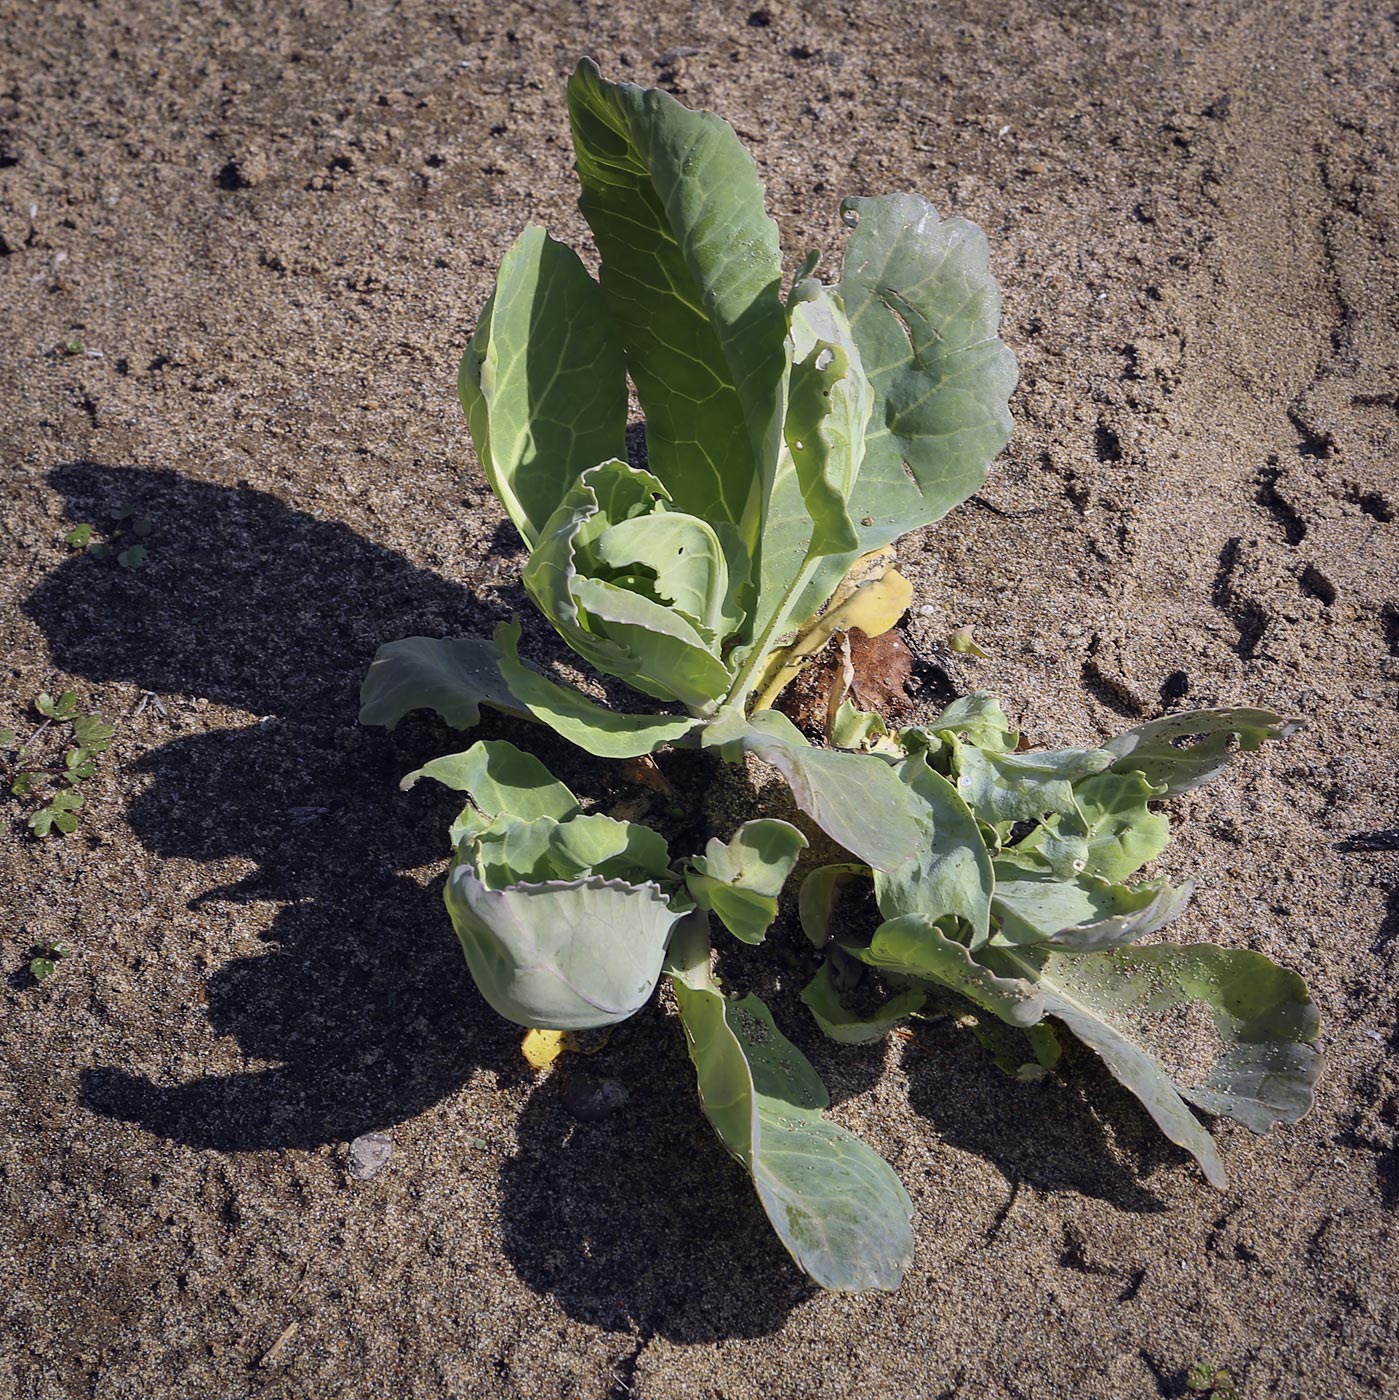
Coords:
790,441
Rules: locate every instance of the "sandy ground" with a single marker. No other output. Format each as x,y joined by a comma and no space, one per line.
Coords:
263,232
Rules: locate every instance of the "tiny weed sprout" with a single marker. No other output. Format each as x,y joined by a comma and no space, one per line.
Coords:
790,441
45,961
1213,1382
123,538
46,770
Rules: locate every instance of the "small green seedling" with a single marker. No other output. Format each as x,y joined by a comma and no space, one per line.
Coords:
46,959
1214,1382
122,541
61,814
790,441
50,766
62,709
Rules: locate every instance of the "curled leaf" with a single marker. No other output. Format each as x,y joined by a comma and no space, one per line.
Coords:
739,880
828,410
829,400
962,642
1113,835
820,892
616,573
561,955
563,916
1086,913
854,728
822,998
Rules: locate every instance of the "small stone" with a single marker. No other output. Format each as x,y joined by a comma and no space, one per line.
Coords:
590,1099
369,1155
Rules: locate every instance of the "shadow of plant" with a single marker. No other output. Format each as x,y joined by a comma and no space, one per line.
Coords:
362,997
640,1221
1054,1135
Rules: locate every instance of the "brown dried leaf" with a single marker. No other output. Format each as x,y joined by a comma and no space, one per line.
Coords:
883,668
645,772
879,671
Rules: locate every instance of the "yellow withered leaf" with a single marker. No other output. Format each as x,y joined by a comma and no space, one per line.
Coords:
962,641
865,569
542,1048
874,607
